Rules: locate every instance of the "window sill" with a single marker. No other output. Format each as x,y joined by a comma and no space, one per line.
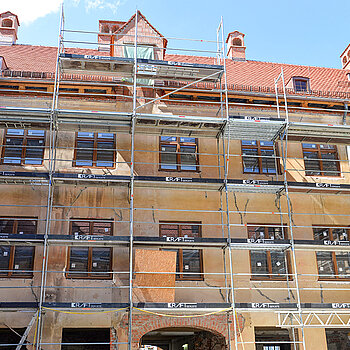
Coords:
179,171
92,278
334,280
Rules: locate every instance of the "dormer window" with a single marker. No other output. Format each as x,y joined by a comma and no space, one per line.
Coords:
7,23
301,84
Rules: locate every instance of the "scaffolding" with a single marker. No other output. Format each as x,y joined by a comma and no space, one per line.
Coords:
133,74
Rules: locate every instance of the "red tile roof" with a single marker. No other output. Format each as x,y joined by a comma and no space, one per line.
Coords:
240,73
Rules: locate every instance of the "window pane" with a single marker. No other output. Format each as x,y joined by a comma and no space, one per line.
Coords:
34,152
268,161
330,167
190,230
26,227
84,154
325,264
168,157
188,158
300,85
340,234
249,143
250,160
256,232
103,135
321,234
188,139
312,164
278,263
258,262
80,227
343,264
105,154
167,230
78,262
102,228
23,260
101,259
86,135
36,133
4,258
13,150
168,138
266,143
6,226
191,263
17,132
276,233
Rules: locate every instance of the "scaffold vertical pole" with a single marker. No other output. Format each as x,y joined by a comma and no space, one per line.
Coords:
290,218
52,139
132,187
226,169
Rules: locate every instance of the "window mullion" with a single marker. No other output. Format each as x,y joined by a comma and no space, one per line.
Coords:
24,147
259,157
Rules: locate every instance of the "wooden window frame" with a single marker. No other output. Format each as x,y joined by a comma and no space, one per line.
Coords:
10,273
336,276
95,140
319,159
72,275
258,147
179,276
301,79
270,276
178,145
25,138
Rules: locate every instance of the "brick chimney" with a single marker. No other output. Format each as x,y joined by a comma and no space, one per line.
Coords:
235,46
8,28
345,58
107,27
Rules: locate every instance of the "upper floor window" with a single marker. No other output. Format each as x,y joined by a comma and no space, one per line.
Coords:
143,51
332,264
259,157
266,264
91,262
17,261
301,84
94,150
188,261
23,147
178,153
321,159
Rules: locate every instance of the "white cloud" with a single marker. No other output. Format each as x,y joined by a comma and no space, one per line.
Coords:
30,10
101,5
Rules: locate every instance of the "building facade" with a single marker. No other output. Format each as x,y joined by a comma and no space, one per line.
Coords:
159,199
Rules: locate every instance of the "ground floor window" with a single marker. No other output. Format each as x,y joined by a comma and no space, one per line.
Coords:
338,339
273,339
85,339
9,338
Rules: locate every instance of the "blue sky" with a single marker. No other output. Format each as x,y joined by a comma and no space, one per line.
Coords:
306,32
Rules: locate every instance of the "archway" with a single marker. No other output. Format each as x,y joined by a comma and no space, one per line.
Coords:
182,338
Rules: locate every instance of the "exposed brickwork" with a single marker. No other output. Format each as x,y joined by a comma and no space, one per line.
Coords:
216,324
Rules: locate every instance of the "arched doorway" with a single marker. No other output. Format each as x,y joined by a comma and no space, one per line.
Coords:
182,338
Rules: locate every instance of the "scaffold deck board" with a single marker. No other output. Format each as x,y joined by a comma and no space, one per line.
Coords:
312,132
146,68
254,128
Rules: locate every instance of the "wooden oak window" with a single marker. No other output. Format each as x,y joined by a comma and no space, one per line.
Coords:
90,262
266,264
332,265
94,150
189,264
178,153
258,157
17,261
23,147
320,160
301,85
